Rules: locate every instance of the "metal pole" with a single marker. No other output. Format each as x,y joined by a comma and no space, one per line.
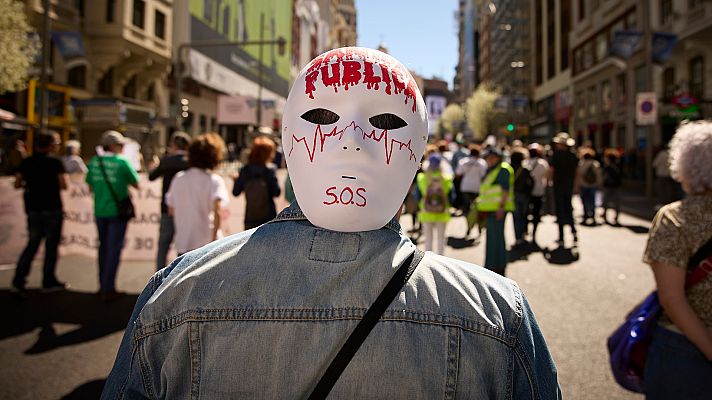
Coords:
45,66
259,73
179,87
650,130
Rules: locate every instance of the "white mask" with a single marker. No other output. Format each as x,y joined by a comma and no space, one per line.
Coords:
351,166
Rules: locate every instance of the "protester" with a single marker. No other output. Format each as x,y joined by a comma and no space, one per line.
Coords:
258,180
42,175
589,180
175,161
109,178
495,200
523,185
539,170
73,164
679,360
272,306
563,172
435,188
472,169
196,196
612,181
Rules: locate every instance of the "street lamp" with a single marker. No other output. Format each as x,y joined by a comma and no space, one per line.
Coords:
182,104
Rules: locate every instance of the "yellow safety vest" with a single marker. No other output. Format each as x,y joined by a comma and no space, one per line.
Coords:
491,194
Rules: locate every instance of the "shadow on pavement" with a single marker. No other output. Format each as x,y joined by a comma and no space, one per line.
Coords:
460,243
639,229
522,251
561,255
89,390
42,310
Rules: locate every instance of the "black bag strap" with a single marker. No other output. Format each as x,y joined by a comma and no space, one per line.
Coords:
701,253
364,327
697,271
108,183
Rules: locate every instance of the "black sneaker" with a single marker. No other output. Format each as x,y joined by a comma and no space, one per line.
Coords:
54,287
18,290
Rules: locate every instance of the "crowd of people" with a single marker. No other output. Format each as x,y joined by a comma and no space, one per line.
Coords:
193,197
483,183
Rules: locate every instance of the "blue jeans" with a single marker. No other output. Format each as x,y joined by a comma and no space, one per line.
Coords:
165,236
111,240
588,197
676,369
521,210
45,225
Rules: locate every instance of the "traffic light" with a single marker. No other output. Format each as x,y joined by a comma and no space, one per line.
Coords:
510,128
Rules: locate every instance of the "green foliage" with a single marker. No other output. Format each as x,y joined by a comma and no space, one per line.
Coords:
18,46
480,110
451,120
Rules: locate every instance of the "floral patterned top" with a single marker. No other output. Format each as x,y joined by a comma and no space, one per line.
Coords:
679,230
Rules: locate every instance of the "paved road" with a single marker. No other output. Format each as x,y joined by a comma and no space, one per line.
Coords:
62,345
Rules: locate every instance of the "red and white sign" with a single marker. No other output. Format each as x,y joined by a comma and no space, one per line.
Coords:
646,108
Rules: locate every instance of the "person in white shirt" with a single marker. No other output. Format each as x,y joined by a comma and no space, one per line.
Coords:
73,163
197,195
471,170
538,168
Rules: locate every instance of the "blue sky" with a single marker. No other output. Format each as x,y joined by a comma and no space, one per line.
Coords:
422,34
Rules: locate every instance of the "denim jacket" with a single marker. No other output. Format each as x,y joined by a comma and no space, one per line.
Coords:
262,313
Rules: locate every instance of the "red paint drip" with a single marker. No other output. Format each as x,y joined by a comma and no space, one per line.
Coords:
388,143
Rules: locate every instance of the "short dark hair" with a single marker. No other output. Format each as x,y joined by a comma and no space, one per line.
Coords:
44,140
206,151
181,140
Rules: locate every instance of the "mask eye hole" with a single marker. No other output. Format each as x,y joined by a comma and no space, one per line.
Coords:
387,121
320,116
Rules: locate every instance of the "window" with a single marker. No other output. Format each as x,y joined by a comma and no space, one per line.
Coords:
539,43
601,46
580,105
203,123
697,81
106,83
621,88
668,83
139,10
578,63
692,4
581,9
213,124
110,7
79,5
606,95
151,92
587,58
665,11
130,88
160,25
630,21
208,10
565,11
77,76
592,101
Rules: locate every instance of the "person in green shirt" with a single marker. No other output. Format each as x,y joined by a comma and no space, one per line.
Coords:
112,229
434,186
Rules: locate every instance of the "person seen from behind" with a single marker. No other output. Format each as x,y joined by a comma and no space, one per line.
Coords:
589,180
496,199
263,313
42,176
434,211
73,163
679,360
197,195
109,178
471,169
523,185
562,172
539,168
175,161
612,181
258,180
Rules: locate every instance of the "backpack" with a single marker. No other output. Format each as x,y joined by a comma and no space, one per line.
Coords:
436,200
523,181
589,176
258,199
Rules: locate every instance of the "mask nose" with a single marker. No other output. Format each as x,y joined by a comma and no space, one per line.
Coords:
352,143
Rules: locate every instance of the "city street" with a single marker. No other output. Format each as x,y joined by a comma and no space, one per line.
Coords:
62,345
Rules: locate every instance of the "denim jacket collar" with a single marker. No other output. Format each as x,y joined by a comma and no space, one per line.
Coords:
294,213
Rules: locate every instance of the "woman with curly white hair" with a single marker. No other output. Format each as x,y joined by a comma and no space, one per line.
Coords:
679,362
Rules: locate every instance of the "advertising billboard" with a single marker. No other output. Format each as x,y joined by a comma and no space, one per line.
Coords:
239,21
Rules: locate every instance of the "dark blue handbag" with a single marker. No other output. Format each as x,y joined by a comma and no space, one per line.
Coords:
629,343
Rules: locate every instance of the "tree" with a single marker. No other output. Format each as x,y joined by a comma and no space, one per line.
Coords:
480,110
18,46
451,119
